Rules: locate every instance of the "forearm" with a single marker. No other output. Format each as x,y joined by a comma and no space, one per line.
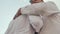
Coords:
40,8
33,9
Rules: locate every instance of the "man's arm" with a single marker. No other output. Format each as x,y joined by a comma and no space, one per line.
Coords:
39,8
33,9
17,14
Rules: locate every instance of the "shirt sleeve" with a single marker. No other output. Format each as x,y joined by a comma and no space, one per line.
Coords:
42,8
32,9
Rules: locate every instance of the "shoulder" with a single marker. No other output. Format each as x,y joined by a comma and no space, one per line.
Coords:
50,2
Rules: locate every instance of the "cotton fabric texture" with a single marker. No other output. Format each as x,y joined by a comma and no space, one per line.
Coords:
43,18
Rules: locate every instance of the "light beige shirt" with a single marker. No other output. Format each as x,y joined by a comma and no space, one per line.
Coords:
31,21
50,15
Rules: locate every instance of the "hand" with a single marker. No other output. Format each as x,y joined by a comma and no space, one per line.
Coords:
17,14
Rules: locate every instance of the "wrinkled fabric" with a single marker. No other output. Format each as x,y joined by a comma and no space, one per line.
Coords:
49,13
43,8
51,24
36,22
30,21
20,26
